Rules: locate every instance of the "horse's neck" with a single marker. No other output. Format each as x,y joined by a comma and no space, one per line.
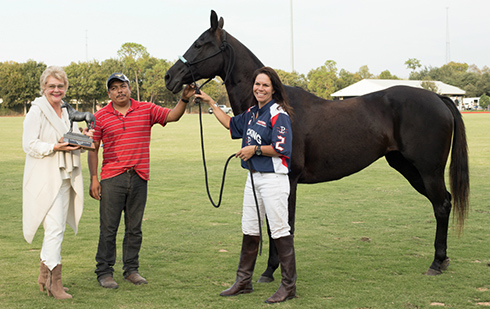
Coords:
240,95
239,84
69,108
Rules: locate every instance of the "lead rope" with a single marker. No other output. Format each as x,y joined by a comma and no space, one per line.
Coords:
256,205
224,172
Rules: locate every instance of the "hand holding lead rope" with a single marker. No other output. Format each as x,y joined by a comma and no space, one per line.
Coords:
197,91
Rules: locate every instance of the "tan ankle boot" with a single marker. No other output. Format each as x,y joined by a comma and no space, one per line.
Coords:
54,285
43,277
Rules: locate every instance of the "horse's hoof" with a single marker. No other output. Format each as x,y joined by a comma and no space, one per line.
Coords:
433,272
264,279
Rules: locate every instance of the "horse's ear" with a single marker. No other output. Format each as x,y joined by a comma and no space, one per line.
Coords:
221,23
214,20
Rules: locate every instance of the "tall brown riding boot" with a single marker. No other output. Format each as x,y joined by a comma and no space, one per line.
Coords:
287,289
243,282
54,285
43,277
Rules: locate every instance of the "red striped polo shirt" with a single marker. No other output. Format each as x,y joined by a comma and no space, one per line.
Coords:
126,138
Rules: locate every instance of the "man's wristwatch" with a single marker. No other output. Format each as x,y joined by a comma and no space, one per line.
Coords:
184,100
258,151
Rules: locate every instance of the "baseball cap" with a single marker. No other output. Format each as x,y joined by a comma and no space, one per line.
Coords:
118,76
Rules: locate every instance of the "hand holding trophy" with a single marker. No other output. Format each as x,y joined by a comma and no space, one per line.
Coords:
78,139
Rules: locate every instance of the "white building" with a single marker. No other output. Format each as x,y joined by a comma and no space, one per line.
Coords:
371,85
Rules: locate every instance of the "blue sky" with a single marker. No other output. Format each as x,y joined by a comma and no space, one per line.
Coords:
381,34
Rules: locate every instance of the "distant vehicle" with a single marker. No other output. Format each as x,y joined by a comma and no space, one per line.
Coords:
224,108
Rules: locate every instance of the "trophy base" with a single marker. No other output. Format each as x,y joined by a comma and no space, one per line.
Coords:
81,140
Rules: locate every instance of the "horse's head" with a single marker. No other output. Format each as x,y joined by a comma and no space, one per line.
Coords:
202,59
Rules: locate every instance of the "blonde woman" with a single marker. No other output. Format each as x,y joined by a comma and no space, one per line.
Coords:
53,184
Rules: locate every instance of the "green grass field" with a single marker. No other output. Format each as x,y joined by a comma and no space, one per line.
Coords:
361,242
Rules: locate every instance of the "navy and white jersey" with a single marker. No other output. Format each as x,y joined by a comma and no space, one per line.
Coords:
271,127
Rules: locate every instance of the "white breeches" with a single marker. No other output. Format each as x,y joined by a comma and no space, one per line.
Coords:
54,227
272,194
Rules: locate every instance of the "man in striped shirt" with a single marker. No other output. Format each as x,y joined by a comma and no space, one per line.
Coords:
124,128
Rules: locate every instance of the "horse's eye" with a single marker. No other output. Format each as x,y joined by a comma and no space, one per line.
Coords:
197,45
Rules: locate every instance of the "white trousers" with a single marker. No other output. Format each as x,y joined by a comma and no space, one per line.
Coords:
54,225
272,194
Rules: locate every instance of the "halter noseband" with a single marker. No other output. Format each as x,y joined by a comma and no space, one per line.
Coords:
231,64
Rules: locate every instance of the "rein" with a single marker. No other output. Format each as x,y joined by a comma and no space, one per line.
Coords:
224,176
231,65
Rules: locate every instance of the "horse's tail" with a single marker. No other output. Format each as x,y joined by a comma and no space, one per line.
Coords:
458,171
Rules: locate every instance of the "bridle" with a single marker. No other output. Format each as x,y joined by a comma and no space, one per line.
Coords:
222,49
231,64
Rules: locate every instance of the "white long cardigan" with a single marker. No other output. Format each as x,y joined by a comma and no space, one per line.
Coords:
44,168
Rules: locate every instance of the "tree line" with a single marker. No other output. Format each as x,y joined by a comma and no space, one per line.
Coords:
19,82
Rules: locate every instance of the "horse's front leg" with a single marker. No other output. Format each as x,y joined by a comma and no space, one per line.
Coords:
272,262
441,260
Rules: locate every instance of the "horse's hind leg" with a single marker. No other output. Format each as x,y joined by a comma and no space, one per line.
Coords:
432,186
441,202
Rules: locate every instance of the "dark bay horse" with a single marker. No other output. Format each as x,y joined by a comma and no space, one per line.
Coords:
414,129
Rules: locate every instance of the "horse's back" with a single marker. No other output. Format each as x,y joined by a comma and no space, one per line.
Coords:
422,121
412,101
334,139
